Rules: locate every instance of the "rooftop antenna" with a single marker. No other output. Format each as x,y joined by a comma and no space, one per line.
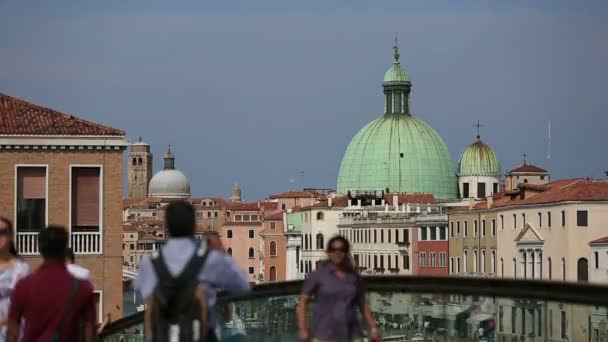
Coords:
549,141
524,155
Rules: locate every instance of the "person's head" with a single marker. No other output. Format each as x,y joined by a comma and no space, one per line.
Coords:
180,218
70,258
53,241
7,244
337,252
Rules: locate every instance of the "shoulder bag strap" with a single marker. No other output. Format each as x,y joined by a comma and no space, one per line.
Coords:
193,267
66,311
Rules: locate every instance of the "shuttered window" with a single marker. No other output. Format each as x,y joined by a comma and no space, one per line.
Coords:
85,198
31,198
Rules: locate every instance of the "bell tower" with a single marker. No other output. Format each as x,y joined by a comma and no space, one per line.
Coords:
140,169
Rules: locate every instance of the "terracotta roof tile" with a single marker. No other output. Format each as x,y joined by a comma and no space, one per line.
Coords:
21,117
295,194
600,240
411,198
525,167
243,223
278,216
564,190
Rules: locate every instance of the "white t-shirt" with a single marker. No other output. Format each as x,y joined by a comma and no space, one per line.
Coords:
79,272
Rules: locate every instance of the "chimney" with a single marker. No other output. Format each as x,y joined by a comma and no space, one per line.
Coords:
330,201
490,201
396,201
471,203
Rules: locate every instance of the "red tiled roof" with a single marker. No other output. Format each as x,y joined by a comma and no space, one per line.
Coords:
278,216
150,237
21,117
243,223
525,167
338,202
600,240
576,189
295,194
411,198
129,228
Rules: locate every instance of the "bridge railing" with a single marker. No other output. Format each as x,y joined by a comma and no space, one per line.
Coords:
411,308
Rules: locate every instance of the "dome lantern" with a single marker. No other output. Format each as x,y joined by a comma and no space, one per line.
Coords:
169,182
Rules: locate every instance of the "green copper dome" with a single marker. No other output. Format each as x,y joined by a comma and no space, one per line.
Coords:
478,159
396,74
401,153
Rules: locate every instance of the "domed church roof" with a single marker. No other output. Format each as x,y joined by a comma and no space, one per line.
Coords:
479,159
169,182
397,151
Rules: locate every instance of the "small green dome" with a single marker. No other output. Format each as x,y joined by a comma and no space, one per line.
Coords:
396,74
401,153
478,159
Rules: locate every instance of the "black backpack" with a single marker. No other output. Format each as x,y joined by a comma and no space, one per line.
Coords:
177,310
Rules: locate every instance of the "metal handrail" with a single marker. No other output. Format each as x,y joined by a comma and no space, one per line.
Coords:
563,292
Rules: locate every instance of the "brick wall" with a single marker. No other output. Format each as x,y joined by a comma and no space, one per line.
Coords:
105,268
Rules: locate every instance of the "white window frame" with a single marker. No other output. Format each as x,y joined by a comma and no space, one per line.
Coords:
46,204
101,187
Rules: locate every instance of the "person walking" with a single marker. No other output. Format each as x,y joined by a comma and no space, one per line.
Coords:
55,305
218,270
12,269
337,290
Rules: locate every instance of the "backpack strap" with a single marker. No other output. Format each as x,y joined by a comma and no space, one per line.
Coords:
193,267
57,334
160,268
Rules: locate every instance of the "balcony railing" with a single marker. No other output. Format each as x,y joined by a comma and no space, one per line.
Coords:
86,243
81,243
27,243
403,305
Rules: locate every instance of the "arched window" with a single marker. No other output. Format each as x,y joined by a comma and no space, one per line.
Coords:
483,261
273,248
514,268
134,161
493,257
229,251
251,253
305,241
139,161
474,260
273,273
582,270
502,268
320,241
465,261
550,268
563,269
320,216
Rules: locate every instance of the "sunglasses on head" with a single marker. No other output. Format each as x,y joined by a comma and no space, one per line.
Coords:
5,232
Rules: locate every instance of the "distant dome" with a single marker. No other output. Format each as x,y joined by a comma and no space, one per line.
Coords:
479,159
169,182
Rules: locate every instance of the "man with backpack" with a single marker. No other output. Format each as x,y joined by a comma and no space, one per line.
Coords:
179,283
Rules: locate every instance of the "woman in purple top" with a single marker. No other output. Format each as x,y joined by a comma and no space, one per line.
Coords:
336,290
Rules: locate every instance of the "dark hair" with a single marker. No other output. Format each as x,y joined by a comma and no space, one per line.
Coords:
341,239
180,218
53,241
347,265
69,255
11,249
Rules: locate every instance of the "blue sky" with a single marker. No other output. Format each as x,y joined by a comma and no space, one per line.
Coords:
260,91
